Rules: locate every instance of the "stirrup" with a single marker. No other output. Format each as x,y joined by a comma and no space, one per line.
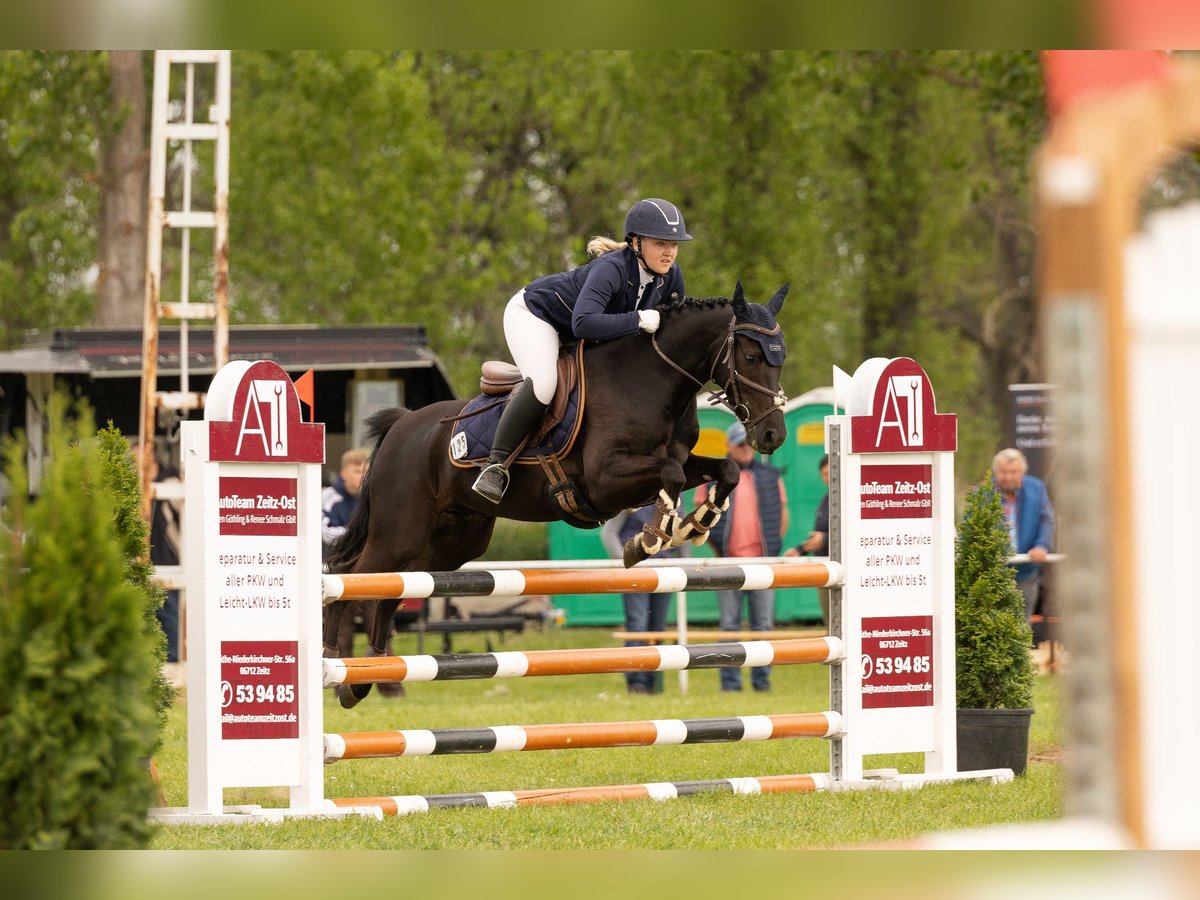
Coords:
492,483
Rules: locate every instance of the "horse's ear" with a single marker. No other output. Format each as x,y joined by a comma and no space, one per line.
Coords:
775,304
740,310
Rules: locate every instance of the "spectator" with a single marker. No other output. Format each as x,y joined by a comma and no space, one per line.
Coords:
165,525
643,612
1030,519
817,542
340,498
338,502
752,526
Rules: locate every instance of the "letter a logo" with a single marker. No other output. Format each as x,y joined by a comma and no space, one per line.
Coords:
903,410
273,431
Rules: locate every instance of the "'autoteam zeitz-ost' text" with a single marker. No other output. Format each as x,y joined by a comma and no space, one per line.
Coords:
261,509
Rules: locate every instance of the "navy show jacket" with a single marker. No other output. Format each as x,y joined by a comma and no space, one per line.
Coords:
599,300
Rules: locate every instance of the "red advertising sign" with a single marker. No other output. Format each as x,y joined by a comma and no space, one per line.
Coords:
266,425
903,415
897,661
897,492
259,506
259,690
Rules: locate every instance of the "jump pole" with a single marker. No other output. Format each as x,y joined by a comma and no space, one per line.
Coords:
600,661
662,790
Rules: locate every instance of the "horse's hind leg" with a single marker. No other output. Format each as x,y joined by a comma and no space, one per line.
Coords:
331,618
455,537
378,623
656,534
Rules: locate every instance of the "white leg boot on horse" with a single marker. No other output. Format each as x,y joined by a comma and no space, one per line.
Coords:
657,533
699,521
519,418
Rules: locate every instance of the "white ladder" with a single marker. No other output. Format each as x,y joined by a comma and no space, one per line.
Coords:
174,121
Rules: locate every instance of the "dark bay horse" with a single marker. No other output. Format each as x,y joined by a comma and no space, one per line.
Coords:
417,512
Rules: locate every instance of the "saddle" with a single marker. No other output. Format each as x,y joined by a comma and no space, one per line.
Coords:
498,378
474,429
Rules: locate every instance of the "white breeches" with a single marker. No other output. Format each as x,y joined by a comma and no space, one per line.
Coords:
534,345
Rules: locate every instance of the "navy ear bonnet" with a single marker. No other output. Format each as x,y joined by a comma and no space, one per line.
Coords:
773,345
763,316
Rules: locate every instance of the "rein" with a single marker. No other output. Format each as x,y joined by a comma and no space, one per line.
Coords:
730,395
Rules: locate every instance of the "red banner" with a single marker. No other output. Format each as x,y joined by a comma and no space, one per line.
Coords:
258,506
897,661
897,492
260,696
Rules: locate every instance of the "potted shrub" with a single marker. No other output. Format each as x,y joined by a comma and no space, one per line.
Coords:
995,674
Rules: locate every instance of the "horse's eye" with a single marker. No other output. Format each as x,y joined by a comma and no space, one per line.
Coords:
752,358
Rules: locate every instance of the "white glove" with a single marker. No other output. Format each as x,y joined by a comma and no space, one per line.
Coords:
648,320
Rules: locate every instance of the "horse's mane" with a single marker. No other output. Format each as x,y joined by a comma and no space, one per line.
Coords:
682,304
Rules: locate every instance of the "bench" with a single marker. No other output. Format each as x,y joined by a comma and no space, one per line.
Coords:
412,617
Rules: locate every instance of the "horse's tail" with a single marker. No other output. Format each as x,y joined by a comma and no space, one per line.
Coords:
345,551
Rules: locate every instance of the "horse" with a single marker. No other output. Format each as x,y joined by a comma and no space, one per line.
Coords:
417,512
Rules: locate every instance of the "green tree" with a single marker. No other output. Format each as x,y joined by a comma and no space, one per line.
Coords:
993,638
50,103
931,162
890,188
339,190
121,476
77,716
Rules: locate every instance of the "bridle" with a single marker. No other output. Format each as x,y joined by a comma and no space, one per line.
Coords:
730,394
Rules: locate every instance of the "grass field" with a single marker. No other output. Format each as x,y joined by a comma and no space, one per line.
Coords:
701,823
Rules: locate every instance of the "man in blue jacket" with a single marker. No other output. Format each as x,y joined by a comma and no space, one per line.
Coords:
1029,516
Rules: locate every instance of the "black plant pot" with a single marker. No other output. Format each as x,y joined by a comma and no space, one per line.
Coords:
993,739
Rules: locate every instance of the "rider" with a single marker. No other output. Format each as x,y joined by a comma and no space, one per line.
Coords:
609,296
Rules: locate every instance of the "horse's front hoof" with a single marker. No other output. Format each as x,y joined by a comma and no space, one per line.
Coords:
350,695
634,552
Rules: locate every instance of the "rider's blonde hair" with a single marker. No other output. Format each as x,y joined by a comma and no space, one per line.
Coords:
600,245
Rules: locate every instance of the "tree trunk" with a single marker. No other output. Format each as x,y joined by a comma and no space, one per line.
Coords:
124,187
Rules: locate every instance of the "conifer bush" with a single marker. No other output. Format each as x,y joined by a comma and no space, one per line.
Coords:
993,636
122,477
77,712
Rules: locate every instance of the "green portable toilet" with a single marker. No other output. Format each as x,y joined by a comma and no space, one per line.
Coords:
797,459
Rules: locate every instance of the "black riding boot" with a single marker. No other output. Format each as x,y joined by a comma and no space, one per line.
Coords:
520,417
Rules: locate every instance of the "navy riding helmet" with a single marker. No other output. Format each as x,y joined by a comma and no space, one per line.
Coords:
656,218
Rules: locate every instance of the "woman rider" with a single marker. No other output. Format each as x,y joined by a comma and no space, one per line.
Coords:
612,295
